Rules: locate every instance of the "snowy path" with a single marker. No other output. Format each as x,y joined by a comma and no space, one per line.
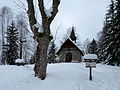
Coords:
63,76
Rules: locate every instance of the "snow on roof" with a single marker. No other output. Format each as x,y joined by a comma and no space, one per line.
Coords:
20,61
90,56
72,42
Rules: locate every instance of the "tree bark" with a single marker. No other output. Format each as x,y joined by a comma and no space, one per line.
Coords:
31,16
41,58
41,54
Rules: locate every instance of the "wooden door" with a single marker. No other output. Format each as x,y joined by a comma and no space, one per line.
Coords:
68,57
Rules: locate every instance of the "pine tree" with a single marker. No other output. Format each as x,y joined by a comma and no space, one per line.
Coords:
110,49
103,41
12,39
32,59
104,45
115,33
52,54
92,47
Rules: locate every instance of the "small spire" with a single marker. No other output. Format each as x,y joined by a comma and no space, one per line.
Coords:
72,36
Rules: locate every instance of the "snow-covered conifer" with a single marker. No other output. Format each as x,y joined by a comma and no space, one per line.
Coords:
12,39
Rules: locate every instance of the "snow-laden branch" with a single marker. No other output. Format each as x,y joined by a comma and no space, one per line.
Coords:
49,11
39,27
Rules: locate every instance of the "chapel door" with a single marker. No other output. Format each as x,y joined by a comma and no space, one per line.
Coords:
68,57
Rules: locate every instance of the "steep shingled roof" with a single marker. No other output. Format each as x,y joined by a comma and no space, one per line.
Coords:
72,43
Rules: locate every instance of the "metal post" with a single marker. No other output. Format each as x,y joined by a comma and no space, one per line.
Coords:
90,77
21,44
20,49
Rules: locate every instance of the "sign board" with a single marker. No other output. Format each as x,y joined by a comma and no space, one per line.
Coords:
90,60
91,64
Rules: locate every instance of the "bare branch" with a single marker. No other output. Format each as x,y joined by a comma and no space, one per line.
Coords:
57,30
42,9
55,5
31,15
55,10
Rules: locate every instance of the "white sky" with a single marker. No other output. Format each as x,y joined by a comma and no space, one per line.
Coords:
86,15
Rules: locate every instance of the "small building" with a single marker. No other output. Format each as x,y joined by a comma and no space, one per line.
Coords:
69,51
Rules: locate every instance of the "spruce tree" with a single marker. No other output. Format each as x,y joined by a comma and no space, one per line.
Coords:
93,47
52,54
110,50
32,59
12,39
115,34
105,38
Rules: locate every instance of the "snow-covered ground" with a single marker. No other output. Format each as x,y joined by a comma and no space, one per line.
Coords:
62,76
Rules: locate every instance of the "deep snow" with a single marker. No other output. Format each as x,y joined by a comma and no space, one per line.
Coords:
62,76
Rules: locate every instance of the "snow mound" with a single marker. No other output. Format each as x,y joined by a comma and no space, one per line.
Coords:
20,61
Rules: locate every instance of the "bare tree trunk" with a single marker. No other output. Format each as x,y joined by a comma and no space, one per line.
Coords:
44,38
41,58
41,54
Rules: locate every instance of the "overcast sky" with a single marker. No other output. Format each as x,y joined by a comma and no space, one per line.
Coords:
86,15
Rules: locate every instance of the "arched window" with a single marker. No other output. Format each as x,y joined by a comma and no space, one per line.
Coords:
68,57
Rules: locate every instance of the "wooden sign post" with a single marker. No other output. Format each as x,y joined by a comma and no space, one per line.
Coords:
90,60
90,77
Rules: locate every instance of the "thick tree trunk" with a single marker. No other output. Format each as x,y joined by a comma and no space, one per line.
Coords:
41,58
41,53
